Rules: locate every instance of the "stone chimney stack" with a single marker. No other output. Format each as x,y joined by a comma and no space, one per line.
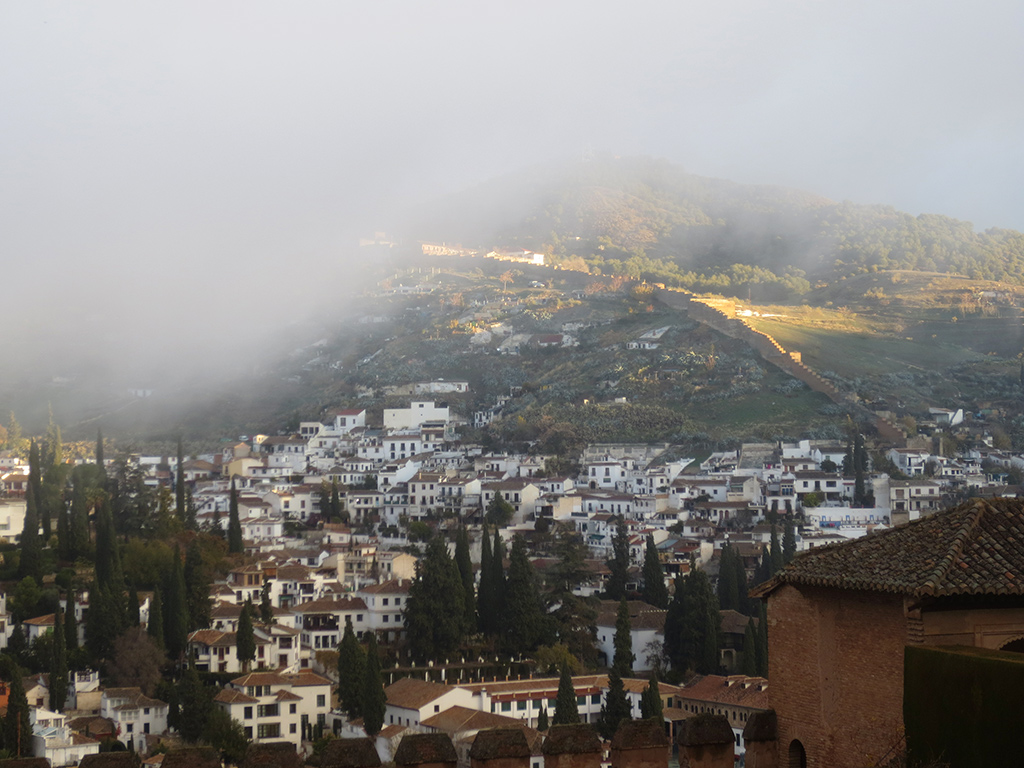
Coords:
640,744
572,746
706,741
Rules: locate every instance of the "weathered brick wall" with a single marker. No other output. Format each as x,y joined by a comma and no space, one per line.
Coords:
649,757
501,762
570,760
707,756
836,673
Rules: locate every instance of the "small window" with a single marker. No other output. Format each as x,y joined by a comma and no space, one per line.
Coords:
248,713
506,706
595,698
291,709
321,700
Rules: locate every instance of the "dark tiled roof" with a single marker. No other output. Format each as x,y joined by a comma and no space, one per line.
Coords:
274,754
640,734
109,760
761,726
350,753
419,748
29,762
705,729
974,549
571,740
499,742
198,757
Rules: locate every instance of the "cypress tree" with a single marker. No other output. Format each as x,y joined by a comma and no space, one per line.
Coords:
195,706
616,707
335,501
776,560
245,637
433,612
58,687
131,613
63,532
197,588
325,501
235,543
750,648
266,606
486,616
619,564
524,612
542,720
623,641
351,672
566,709
155,626
465,566
743,602
374,698
17,724
103,622
498,587
31,563
655,592
179,484
175,610
70,624
78,533
691,625
35,481
190,511
99,449
650,701
859,466
728,589
788,543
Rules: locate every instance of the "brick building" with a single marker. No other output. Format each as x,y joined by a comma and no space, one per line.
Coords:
839,618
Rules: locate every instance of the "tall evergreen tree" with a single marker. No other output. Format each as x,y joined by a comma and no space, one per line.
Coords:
131,614
788,543
487,618
434,609
498,582
465,565
63,532
623,641
743,601
58,686
374,699
179,484
70,624
619,564
190,511
750,641
17,724
524,612
567,711
31,562
335,502
175,609
197,587
235,543
266,606
99,449
351,672
103,622
777,560
728,589
691,625
155,627
655,592
195,706
35,482
859,467
616,707
245,637
324,497
542,720
78,527
650,700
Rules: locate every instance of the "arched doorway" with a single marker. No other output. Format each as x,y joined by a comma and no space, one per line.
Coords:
1014,646
797,755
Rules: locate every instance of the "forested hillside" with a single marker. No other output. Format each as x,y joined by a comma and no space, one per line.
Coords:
649,219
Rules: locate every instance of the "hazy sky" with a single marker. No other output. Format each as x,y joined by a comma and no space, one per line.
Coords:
218,154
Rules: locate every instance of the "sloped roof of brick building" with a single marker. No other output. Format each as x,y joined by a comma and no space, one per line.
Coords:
976,548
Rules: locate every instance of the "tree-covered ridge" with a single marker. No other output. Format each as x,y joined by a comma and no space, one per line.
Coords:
649,219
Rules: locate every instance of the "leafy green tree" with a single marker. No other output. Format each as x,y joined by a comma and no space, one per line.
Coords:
619,564
575,620
650,700
434,610
17,724
58,686
623,641
499,512
615,708
654,592
235,543
226,735
374,699
351,672
17,645
246,637
566,709
465,565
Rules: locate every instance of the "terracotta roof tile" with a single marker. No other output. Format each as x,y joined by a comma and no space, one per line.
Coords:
974,549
